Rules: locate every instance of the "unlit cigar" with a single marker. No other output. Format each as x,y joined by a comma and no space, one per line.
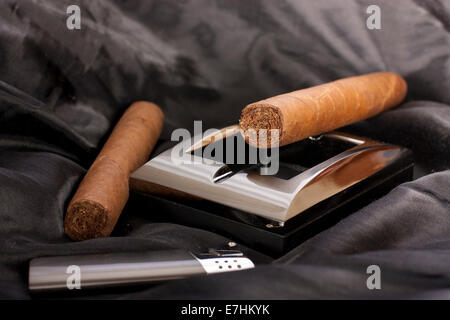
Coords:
103,192
312,111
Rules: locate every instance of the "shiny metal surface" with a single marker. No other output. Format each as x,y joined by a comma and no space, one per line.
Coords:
47,274
218,135
218,261
269,196
107,270
226,264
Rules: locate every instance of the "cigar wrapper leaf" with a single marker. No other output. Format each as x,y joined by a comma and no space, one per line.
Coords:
312,111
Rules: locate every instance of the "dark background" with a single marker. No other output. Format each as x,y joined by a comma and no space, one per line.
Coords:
62,91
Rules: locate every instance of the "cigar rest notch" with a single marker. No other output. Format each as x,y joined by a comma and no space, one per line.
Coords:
319,181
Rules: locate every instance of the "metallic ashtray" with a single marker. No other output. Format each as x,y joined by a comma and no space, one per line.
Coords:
319,181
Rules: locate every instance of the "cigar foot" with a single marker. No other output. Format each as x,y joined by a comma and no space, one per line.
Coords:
87,220
260,117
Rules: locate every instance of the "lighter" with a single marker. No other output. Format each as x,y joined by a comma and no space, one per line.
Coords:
66,273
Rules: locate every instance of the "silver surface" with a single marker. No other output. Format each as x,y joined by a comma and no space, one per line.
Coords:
107,270
226,264
47,274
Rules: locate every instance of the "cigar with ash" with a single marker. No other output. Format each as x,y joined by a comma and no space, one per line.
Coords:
312,111
103,192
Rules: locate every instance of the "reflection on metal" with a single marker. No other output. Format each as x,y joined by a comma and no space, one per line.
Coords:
216,136
315,138
274,224
222,174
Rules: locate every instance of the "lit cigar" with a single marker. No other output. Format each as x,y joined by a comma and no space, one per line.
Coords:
102,194
312,111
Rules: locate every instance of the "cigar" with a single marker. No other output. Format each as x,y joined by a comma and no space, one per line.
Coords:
312,111
103,192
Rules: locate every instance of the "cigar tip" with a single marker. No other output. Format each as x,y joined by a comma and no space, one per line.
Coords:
87,219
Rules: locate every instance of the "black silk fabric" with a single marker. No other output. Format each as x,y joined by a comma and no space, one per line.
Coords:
62,91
